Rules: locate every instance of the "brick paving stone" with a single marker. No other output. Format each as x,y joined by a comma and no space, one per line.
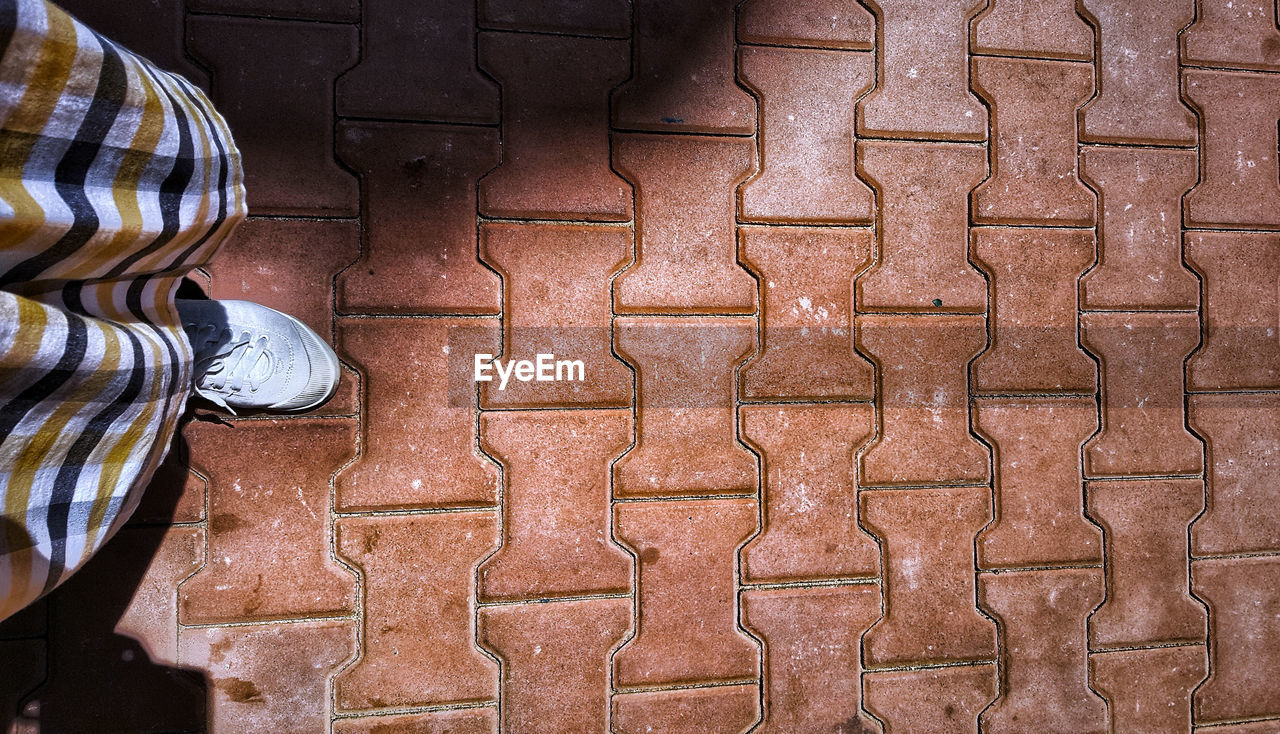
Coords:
1149,691
806,135
1145,523
1137,59
153,30
288,158
1033,166
417,643
584,17
810,530
924,414
562,647
939,700
1239,184
685,407
24,669
684,255
1039,505
418,446
923,227
556,291
1241,311
460,721
555,97
1034,274
1141,359
812,23
419,254
269,677
260,501
330,10
927,539
175,494
1032,28
686,599
113,637
1043,617
1243,595
682,71
1140,252
556,503
806,278
418,63
1243,512
810,640
286,265
924,79
716,710
1233,33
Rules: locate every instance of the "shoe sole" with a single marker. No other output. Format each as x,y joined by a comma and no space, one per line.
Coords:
332,359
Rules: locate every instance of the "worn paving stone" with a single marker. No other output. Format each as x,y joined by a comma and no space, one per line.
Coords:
1241,513
1243,595
329,10
813,23
1032,28
1240,348
935,700
718,710
1233,34
457,721
806,277
1149,690
609,18
806,135
152,30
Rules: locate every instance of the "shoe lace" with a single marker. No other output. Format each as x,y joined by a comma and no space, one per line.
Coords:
236,363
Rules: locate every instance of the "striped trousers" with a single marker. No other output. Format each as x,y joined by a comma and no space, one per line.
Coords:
116,180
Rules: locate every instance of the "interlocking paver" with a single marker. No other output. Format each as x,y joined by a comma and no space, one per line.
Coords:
686,601
555,509
943,700
154,30
923,223
927,539
1241,350
810,639
1033,310
416,647
682,70
1141,357
257,507
1243,508
924,73
717,710
556,292
685,443
813,23
1239,174
288,158
562,647
1043,618
806,278
1235,34
331,10
1149,691
1033,28
806,135
1033,163
1140,251
1145,523
418,63
923,400
555,161
1243,595
458,721
1137,98
810,501
582,17
416,380
269,677
1039,509
684,256
419,189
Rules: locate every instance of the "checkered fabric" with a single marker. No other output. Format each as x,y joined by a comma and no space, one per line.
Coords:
116,179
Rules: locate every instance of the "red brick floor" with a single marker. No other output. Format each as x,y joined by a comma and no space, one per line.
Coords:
933,377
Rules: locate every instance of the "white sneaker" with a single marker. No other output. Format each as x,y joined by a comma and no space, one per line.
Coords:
252,357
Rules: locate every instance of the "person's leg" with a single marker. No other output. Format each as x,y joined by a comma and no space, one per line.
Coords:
116,179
